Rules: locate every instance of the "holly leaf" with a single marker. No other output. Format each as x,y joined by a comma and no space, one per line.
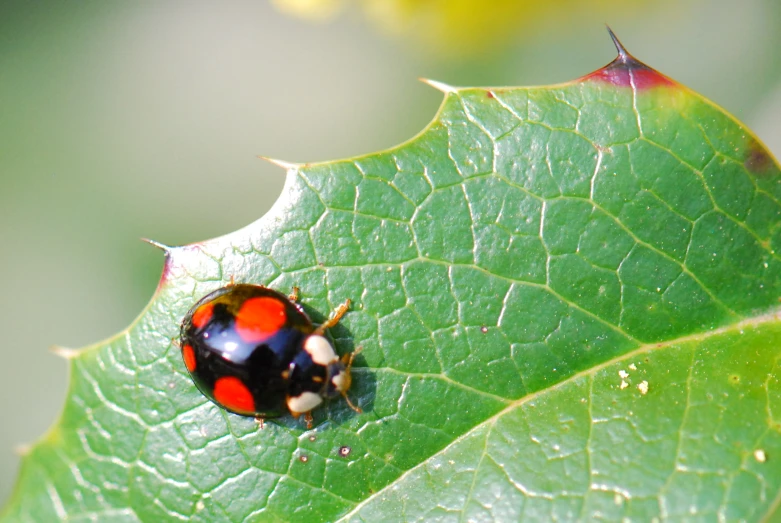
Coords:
566,298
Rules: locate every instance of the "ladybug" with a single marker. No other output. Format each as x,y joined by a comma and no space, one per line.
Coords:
254,352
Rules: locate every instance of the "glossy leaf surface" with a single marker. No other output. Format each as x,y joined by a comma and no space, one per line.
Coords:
566,301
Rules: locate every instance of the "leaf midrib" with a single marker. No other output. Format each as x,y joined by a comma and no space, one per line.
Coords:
764,319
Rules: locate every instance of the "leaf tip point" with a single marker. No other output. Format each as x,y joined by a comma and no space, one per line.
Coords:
622,52
153,243
627,71
439,86
64,352
280,163
23,449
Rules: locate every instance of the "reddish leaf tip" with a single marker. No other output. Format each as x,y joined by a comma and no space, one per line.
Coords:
758,160
628,71
167,251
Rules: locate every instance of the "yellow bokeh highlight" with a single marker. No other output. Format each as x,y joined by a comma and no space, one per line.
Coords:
467,26
312,9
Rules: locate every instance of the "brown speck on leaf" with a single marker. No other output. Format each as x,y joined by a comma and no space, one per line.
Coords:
758,161
489,94
345,451
483,329
303,458
312,438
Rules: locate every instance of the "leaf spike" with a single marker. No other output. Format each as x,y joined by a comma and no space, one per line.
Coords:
162,247
623,55
439,86
280,163
23,449
64,352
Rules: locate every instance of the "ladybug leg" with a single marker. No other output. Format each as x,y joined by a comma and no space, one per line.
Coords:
308,420
259,420
232,282
294,295
340,311
175,343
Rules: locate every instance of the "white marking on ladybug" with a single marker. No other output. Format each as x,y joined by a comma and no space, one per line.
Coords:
340,381
320,350
304,402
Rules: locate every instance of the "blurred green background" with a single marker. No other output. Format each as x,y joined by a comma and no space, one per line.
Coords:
123,120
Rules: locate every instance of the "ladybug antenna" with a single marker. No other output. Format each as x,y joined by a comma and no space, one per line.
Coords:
357,409
348,361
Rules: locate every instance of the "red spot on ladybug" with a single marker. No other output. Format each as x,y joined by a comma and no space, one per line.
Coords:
189,357
231,392
202,316
260,318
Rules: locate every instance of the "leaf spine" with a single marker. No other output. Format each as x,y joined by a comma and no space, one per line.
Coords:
439,86
64,352
281,163
153,243
623,55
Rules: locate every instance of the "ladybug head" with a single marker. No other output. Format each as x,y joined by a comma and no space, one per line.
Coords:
339,378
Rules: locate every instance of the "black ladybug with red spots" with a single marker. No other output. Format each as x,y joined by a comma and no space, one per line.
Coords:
254,352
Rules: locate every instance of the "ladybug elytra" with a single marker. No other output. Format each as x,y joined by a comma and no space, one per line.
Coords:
253,351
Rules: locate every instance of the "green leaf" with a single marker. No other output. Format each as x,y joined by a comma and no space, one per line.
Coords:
566,298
